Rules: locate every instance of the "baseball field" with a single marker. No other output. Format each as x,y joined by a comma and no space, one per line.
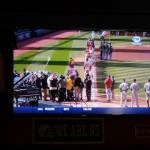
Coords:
52,53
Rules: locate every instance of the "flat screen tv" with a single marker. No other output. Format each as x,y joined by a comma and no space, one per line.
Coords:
85,72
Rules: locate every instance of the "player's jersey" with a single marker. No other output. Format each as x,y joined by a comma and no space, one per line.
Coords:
91,50
92,56
87,55
123,87
88,74
134,87
87,66
108,83
90,61
147,86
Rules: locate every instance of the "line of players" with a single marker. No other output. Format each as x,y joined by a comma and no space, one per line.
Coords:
106,50
124,87
89,63
134,87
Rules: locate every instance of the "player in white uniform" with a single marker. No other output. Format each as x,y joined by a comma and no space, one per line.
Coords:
123,89
91,52
147,91
91,49
134,87
91,61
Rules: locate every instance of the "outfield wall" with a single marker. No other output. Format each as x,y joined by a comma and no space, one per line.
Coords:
25,34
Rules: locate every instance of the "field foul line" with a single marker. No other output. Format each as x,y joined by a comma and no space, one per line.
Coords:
47,62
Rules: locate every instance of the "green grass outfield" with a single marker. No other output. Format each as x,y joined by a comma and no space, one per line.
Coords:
53,57
120,69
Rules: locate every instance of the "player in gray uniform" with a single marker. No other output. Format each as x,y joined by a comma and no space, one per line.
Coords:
108,51
105,50
102,51
134,87
147,91
123,89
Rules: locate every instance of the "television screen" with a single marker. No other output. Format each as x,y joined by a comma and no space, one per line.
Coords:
81,72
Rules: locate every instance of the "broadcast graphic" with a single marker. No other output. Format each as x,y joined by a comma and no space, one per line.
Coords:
81,72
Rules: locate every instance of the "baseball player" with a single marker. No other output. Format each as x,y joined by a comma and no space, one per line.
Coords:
91,61
90,42
105,50
91,50
108,85
87,55
101,36
109,51
101,51
86,63
123,89
147,91
134,87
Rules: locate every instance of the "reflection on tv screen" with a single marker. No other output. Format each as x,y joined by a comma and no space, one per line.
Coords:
81,72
